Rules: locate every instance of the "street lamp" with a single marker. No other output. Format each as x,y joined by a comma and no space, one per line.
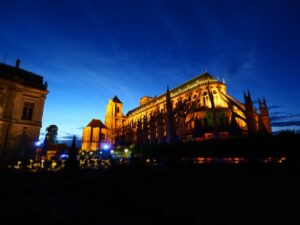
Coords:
38,150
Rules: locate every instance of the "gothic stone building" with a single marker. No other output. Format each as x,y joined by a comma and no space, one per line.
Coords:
196,110
22,98
94,136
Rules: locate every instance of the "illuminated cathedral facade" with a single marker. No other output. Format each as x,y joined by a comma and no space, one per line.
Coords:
197,110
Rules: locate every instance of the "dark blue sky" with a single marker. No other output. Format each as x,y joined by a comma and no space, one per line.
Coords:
89,51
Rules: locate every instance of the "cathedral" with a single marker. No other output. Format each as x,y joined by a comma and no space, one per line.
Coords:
197,110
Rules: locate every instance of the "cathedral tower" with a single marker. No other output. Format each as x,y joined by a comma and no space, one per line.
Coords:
114,117
251,115
170,132
264,115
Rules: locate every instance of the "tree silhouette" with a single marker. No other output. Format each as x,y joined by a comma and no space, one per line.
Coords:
51,134
72,161
197,130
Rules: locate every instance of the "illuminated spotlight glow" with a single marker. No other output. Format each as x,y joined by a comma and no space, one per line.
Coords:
106,146
62,156
37,143
111,151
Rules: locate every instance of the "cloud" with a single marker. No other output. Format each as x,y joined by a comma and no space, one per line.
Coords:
286,123
238,64
284,119
69,142
274,107
69,136
68,139
279,116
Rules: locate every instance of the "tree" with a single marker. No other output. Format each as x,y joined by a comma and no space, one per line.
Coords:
51,135
72,161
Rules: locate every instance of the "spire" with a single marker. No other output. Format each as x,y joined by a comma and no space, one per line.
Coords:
249,95
262,103
73,143
72,162
169,119
168,99
265,124
214,115
116,100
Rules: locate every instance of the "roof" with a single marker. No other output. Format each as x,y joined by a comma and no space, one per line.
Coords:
146,97
200,79
117,100
21,76
96,123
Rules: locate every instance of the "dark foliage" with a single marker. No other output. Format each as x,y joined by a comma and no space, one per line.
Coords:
196,195
51,135
285,144
72,161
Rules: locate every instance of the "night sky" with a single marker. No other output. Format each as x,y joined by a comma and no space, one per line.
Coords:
88,51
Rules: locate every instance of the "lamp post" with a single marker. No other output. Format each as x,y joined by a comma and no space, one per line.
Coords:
126,152
37,150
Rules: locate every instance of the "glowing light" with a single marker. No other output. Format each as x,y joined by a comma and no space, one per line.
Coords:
106,146
18,166
111,151
38,143
42,165
281,160
64,156
126,150
53,164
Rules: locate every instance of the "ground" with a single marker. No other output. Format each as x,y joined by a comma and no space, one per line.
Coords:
210,194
